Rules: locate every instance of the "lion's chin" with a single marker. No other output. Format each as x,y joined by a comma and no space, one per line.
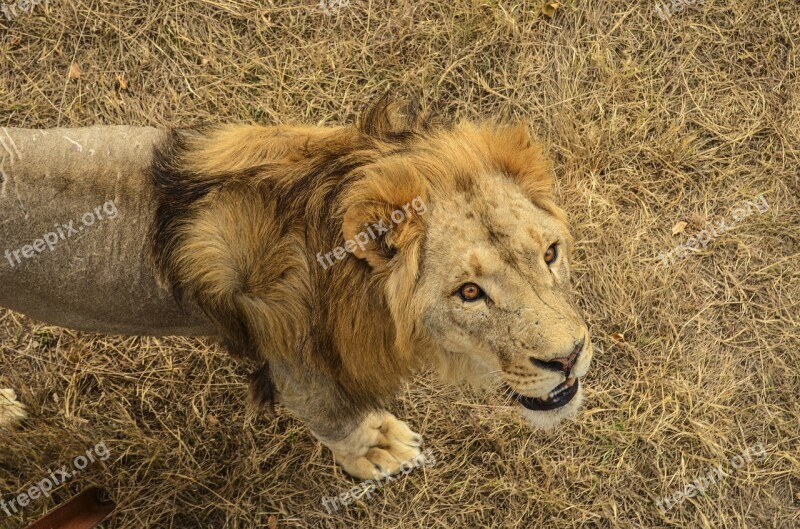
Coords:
549,419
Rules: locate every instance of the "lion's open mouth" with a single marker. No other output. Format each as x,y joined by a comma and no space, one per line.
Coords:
559,396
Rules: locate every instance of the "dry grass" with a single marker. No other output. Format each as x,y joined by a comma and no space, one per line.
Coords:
649,121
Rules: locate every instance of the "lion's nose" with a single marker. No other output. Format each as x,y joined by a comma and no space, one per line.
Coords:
564,364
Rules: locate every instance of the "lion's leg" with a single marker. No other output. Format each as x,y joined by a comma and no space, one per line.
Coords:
11,410
367,445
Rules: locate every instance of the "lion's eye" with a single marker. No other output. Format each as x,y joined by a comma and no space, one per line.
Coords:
470,292
551,254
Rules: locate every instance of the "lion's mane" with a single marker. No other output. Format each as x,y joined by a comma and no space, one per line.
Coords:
244,210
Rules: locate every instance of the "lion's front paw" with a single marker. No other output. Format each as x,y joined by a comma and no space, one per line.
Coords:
378,446
11,410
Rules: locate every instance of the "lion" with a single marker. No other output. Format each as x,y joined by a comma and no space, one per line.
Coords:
341,260
465,267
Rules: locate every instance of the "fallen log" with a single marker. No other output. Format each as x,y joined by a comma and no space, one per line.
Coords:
75,209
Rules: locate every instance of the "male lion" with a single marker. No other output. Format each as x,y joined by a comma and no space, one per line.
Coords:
339,260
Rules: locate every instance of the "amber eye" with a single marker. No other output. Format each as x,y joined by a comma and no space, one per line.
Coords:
551,254
470,292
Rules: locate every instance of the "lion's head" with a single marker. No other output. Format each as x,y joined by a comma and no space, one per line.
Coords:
478,282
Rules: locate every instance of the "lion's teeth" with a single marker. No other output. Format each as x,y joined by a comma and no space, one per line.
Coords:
556,392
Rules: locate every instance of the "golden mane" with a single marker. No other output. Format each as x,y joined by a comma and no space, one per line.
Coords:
244,210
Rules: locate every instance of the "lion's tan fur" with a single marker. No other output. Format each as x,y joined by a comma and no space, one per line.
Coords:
11,410
245,209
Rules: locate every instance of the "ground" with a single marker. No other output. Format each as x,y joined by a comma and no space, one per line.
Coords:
651,122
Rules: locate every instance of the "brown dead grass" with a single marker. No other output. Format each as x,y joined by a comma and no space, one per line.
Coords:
649,121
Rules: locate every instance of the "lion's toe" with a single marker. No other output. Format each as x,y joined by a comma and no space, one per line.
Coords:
380,461
390,459
399,432
11,410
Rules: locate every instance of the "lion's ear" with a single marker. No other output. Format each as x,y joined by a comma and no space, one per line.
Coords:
523,161
383,214
391,120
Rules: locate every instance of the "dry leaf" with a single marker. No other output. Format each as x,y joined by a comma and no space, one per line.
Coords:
272,523
679,227
74,71
123,81
618,337
549,9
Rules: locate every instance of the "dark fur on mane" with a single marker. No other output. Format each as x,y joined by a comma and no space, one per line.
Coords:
242,212
304,186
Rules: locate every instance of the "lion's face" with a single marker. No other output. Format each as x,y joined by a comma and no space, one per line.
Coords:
494,296
479,285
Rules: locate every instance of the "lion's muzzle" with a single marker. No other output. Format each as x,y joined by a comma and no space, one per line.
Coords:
564,364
